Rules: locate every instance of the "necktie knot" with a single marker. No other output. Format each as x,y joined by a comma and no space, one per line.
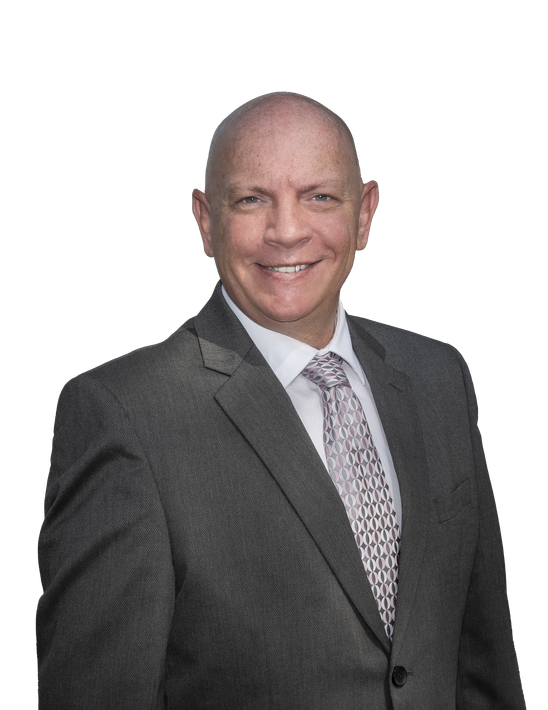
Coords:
326,371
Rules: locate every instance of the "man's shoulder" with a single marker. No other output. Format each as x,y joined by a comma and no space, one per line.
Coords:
150,366
404,348
148,374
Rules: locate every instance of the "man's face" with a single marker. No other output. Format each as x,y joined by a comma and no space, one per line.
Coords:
284,220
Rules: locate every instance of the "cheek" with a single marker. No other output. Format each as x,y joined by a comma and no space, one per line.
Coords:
243,237
337,235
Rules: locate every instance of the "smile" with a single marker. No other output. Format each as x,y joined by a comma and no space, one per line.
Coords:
288,269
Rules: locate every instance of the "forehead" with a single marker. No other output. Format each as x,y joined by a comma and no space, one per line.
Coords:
290,143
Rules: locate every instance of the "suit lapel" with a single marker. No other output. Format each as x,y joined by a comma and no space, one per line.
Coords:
392,392
256,402
253,398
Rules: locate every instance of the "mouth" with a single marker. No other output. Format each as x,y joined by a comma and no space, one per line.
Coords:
288,269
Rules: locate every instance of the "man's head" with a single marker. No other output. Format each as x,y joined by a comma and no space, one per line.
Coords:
283,190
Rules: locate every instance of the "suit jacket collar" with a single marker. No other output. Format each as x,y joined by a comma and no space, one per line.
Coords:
256,402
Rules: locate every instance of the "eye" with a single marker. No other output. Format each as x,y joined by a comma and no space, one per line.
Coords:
321,198
250,200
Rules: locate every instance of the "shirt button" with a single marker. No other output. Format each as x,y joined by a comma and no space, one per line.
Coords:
399,676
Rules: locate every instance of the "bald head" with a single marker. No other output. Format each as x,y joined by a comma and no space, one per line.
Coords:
273,117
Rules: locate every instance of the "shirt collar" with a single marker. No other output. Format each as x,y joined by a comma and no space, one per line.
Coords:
287,356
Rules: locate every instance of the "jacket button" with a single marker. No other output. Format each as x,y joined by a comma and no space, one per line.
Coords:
399,676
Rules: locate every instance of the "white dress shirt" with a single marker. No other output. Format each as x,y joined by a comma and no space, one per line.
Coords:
288,357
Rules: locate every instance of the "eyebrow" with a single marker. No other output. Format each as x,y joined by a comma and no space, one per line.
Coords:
236,188
240,188
327,185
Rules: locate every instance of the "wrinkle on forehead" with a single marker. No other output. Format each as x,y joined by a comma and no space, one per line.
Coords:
280,117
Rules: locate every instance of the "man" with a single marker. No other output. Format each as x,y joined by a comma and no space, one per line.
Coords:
280,506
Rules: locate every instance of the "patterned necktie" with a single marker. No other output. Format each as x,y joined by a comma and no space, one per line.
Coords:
356,470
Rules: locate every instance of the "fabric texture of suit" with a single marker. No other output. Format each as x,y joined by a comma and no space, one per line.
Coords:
195,553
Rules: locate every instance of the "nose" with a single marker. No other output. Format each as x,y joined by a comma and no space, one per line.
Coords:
287,225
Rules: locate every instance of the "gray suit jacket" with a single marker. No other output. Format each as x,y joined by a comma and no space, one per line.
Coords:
195,553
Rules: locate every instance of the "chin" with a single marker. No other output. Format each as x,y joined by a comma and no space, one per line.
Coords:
290,314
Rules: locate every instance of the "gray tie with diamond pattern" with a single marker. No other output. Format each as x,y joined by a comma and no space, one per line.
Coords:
356,470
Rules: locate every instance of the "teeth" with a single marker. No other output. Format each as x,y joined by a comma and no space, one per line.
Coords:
288,269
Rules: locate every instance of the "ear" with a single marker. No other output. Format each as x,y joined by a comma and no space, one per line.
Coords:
202,212
368,205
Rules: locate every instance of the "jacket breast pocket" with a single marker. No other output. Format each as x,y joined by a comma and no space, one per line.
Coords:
449,506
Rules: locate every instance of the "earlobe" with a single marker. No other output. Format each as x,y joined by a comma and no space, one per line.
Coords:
201,211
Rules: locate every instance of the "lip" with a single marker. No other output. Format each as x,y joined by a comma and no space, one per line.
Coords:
280,277
270,268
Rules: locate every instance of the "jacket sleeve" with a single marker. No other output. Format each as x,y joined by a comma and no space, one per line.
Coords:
105,561
488,675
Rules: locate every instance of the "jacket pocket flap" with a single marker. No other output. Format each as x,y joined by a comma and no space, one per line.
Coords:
449,506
